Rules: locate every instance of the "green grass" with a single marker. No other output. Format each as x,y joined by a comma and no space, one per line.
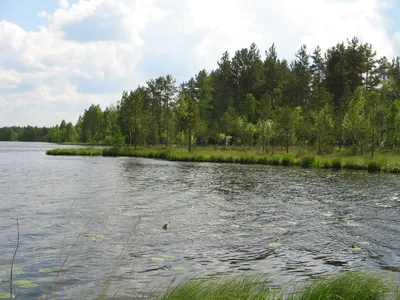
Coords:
219,289
349,286
383,162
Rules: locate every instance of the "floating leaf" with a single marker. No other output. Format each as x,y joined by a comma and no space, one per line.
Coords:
157,259
274,244
46,270
6,296
165,226
52,251
16,271
177,268
25,284
94,237
355,247
327,214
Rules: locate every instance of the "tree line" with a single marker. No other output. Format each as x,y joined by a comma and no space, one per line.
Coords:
345,97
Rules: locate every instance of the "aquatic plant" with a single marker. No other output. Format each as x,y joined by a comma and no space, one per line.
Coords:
347,285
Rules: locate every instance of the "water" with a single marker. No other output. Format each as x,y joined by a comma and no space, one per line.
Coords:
105,215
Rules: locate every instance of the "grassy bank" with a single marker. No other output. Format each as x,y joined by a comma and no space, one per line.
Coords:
384,162
349,286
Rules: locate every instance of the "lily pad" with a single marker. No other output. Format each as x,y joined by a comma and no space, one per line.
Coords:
6,296
327,214
25,284
94,237
177,268
274,245
157,259
46,270
16,271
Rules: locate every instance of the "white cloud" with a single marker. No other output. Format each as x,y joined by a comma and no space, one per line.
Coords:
42,14
93,50
63,3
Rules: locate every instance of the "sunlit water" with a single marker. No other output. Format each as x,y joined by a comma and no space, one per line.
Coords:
105,215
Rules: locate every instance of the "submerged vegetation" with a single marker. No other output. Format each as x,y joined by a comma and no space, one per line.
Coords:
337,160
349,286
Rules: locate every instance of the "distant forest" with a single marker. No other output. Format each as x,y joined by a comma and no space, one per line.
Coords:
345,97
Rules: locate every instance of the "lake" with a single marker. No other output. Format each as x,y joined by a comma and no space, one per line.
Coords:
106,216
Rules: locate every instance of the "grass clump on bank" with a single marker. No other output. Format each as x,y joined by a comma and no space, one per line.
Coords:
76,152
349,286
337,161
219,289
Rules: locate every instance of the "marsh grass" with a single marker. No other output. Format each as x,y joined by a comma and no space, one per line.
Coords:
349,286
383,162
220,289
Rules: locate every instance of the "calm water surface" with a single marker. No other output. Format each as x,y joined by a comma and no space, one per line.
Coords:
105,215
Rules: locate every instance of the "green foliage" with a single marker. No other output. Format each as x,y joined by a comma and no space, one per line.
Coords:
220,289
374,166
336,164
349,286
307,161
355,123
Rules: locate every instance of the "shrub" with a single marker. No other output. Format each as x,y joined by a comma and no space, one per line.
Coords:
307,161
374,166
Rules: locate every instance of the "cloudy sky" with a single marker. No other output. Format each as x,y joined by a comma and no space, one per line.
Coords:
59,56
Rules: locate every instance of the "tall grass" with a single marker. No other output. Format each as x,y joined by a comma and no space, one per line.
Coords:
220,289
382,163
349,286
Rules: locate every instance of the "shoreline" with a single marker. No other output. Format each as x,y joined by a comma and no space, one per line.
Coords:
382,164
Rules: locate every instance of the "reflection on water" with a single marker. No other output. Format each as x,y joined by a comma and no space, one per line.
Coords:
106,216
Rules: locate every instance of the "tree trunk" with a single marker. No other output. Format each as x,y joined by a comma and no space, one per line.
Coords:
287,141
190,139
373,132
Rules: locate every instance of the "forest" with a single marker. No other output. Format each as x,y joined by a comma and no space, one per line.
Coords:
347,97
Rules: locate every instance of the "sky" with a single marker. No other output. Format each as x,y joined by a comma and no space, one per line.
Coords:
57,57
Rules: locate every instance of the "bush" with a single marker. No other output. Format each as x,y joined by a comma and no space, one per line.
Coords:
374,166
336,164
286,161
307,161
